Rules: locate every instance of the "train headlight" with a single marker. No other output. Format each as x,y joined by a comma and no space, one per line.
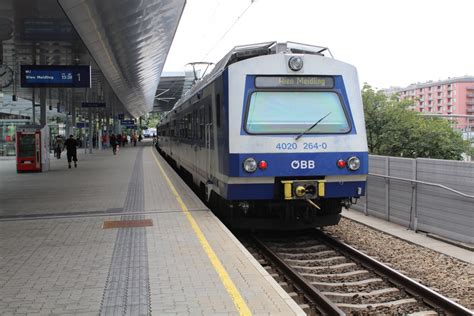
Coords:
295,63
353,163
250,165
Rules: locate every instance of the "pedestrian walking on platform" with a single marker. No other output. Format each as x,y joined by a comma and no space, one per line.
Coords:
124,140
113,143
105,140
119,139
71,150
59,146
134,139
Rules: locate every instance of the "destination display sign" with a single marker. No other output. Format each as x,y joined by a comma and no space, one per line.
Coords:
35,76
309,82
93,104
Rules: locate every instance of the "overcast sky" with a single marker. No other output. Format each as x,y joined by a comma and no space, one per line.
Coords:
392,43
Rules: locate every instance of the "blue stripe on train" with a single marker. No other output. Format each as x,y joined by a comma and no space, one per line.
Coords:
267,191
283,164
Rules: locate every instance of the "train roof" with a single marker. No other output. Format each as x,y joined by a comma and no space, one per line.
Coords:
242,52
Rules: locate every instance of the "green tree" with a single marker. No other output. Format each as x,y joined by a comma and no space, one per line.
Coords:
374,108
394,130
153,119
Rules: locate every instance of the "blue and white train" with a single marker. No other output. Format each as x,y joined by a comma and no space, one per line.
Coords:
273,138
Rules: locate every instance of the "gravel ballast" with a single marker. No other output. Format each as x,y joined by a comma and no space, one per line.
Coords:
444,274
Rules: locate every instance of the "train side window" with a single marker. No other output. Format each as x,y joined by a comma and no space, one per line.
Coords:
218,110
198,124
188,126
178,127
209,112
201,123
183,127
194,129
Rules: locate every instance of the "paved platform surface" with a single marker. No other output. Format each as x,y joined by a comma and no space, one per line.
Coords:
56,258
411,236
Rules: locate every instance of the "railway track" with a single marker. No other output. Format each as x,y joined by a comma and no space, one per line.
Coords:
331,278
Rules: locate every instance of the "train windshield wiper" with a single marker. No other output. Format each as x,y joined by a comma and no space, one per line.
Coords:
312,126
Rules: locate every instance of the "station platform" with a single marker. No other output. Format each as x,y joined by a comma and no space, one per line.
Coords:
122,235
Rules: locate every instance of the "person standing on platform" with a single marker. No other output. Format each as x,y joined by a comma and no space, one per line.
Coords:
113,143
124,140
104,140
119,139
134,139
71,150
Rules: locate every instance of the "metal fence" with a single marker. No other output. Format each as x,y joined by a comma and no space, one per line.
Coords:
431,195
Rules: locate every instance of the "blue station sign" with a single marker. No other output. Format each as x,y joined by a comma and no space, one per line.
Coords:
82,124
127,122
72,76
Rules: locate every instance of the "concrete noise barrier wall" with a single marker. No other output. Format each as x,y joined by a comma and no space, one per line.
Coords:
431,195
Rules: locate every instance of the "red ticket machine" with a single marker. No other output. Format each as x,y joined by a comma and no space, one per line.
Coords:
28,150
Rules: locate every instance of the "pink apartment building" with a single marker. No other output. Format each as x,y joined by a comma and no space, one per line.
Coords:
454,96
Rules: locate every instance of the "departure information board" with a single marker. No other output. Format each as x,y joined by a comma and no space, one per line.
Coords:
72,76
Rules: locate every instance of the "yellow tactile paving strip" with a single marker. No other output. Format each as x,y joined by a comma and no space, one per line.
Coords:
216,263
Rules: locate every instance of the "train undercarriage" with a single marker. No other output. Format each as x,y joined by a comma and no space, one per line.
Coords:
277,214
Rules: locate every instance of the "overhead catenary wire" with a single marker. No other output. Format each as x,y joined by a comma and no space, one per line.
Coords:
228,30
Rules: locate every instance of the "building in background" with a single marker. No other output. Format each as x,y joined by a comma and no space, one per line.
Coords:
452,97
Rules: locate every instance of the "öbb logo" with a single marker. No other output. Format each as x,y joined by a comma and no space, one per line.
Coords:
303,164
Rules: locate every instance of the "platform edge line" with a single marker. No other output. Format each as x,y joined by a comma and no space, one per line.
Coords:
216,263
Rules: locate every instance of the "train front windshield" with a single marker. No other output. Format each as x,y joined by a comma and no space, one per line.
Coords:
292,112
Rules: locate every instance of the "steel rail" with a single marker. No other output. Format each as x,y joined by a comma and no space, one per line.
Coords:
430,297
320,301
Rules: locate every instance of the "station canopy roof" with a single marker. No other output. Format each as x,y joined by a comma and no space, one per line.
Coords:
125,42
172,86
